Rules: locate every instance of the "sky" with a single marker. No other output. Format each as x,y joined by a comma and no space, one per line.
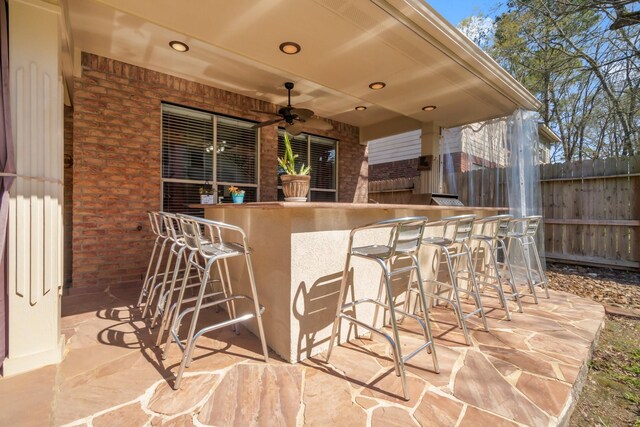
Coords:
456,10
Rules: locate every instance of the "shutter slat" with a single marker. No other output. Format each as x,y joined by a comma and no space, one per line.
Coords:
188,154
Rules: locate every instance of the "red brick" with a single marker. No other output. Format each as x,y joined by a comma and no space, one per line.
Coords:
116,148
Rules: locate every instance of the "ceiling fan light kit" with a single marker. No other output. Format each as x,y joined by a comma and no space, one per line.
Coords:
294,118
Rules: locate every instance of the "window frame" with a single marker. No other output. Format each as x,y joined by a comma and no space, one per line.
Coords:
214,168
308,136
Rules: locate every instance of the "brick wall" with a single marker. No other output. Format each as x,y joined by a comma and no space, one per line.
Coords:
117,159
392,170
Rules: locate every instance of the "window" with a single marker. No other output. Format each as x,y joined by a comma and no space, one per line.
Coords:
200,148
321,154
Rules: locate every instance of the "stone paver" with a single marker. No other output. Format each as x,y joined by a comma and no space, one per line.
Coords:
520,373
132,415
435,410
168,401
255,395
391,417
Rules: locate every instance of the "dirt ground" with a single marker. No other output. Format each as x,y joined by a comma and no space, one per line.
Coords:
611,395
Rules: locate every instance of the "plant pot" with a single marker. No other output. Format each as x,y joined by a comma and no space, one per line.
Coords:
207,199
295,187
238,198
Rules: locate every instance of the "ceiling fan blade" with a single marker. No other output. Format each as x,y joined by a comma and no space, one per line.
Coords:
265,112
318,124
302,113
294,129
267,123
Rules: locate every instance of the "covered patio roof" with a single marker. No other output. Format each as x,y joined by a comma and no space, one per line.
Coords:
346,45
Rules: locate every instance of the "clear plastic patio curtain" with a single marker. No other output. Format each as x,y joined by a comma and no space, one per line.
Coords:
495,164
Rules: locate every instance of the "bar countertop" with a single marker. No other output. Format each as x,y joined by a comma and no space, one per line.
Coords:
328,205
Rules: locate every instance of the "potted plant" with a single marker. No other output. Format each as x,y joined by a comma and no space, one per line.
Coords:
295,183
237,194
207,194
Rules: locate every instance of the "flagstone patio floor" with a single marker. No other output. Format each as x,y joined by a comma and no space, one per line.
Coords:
523,372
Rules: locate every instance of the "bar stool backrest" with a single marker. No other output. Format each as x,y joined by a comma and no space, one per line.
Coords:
155,218
533,222
496,226
197,231
527,225
190,232
458,228
408,234
172,224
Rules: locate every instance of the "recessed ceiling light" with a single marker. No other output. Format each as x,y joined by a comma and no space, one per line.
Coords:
290,48
361,108
179,46
429,108
377,85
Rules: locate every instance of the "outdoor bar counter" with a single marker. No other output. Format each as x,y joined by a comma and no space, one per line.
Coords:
299,251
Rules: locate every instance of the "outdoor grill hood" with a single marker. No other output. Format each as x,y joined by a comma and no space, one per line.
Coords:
346,44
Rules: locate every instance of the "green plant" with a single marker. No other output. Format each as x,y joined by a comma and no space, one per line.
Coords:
207,190
288,162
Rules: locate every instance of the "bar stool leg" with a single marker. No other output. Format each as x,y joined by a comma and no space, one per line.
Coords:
166,310
494,262
154,286
152,280
176,311
336,321
399,362
512,281
458,304
190,343
543,277
227,290
527,265
476,293
425,315
144,290
256,306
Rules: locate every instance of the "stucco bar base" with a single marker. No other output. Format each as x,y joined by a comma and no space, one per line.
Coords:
298,259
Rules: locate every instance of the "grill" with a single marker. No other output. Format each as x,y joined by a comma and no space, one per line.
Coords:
441,199
437,199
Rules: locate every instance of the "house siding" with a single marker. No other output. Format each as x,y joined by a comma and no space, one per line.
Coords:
116,171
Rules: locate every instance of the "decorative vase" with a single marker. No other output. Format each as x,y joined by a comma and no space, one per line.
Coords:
207,199
238,198
295,187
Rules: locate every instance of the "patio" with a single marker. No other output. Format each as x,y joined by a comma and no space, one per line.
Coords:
527,370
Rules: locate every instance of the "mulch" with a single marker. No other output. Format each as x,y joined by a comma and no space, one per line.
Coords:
613,288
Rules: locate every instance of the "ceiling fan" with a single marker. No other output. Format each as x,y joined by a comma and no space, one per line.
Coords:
294,118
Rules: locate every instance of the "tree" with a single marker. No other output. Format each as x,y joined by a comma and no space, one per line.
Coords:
584,69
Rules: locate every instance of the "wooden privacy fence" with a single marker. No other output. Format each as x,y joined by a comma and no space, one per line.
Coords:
391,191
592,211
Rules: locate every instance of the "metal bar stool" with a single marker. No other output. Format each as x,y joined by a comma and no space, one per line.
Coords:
166,306
453,244
178,250
495,268
404,242
205,249
522,231
161,240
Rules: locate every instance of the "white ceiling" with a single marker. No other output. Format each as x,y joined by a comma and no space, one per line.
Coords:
346,44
